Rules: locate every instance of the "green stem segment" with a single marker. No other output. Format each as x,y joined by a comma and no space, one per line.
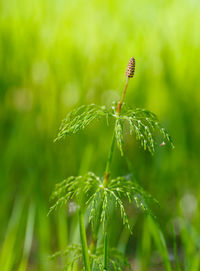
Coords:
106,178
109,160
84,241
106,252
119,105
110,155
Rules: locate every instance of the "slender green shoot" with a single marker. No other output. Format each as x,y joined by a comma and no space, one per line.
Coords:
84,241
105,251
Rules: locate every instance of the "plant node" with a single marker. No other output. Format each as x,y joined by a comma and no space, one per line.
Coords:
106,178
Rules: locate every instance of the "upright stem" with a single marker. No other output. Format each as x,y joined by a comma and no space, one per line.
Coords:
108,163
119,105
84,241
110,155
105,252
106,179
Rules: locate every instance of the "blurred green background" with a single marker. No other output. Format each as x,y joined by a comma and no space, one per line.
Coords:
56,55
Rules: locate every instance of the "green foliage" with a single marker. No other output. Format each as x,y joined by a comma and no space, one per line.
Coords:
119,133
143,123
96,195
80,118
89,191
125,187
117,260
75,188
46,70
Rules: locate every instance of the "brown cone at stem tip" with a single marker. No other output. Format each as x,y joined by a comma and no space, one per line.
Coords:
129,74
130,68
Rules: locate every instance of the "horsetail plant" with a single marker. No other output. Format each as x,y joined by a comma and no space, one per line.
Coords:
95,194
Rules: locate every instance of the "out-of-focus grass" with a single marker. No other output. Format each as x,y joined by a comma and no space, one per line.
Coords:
55,55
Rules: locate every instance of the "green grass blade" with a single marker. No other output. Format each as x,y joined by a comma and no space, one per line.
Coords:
160,243
28,238
7,257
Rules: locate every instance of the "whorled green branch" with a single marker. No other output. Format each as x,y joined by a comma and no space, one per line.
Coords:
143,123
88,191
80,118
77,188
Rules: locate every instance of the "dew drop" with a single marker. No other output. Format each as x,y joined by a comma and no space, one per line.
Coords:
162,144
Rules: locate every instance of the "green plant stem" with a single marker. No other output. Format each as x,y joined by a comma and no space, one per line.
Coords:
105,182
105,251
108,163
110,155
119,105
84,241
